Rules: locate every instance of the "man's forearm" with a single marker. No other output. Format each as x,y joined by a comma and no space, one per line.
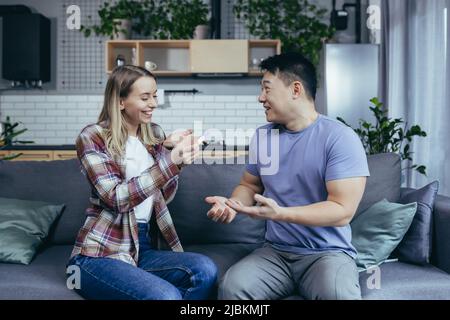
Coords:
320,214
244,194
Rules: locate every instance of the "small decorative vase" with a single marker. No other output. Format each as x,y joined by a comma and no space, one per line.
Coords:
124,26
201,32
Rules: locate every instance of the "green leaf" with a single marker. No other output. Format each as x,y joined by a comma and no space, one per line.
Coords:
386,135
11,156
342,120
422,170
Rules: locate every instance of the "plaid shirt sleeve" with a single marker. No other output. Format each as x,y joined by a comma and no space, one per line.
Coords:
105,176
170,188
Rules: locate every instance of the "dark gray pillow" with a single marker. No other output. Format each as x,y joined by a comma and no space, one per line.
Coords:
416,245
24,225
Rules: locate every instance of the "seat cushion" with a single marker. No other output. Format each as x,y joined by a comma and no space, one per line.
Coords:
402,281
224,255
43,279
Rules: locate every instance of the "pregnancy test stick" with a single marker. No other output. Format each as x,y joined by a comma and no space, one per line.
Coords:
201,140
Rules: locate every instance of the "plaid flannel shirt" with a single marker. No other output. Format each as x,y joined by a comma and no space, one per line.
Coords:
110,229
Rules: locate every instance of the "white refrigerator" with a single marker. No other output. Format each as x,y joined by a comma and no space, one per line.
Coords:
348,79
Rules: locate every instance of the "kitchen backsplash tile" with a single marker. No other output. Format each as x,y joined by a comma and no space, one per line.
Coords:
57,119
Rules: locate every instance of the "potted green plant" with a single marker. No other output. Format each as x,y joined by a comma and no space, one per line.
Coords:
297,23
168,19
173,19
388,135
9,131
116,19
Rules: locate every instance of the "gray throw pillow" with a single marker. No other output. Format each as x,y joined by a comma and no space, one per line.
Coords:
377,231
416,244
23,227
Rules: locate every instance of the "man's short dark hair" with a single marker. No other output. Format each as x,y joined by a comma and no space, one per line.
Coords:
293,66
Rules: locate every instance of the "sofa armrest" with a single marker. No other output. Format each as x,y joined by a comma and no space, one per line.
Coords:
441,233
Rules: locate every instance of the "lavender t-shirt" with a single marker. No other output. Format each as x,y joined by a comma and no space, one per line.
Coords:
294,167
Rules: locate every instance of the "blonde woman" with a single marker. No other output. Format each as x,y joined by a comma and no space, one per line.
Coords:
133,175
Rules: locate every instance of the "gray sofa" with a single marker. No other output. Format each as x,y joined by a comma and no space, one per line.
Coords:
62,182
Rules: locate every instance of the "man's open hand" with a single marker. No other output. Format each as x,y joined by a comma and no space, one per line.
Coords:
220,212
266,209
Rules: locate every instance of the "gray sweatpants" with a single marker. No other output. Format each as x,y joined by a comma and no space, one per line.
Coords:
269,274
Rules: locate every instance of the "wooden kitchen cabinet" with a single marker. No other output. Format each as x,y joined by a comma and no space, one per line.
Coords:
41,155
48,155
120,47
191,57
223,153
259,50
33,155
4,153
64,154
170,56
219,56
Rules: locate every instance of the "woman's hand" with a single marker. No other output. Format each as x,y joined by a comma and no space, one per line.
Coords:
186,150
175,137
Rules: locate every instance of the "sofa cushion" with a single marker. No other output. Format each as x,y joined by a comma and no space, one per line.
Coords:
24,226
188,208
415,246
43,279
403,281
224,255
377,231
50,181
384,181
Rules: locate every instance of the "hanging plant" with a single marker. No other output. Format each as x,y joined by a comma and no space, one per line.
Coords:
299,24
111,16
173,19
168,19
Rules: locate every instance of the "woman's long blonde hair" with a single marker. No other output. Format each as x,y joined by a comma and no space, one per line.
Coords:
111,117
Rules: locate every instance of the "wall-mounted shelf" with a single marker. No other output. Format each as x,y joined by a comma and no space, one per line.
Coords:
183,58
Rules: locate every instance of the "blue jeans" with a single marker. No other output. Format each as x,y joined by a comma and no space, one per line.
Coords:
160,275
